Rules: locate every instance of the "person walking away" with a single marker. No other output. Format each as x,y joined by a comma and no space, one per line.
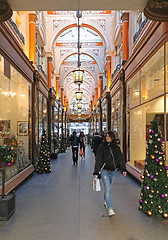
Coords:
82,143
74,144
97,140
109,154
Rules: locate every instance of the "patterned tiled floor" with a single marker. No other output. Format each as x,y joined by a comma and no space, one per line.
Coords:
62,206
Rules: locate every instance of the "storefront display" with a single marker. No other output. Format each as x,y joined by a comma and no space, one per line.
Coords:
42,114
146,102
54,127
104,115
15,119
116,115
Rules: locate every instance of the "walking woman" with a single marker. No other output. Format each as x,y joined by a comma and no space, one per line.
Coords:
82,142
109,155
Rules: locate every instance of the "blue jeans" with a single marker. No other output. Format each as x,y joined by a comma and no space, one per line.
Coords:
108,178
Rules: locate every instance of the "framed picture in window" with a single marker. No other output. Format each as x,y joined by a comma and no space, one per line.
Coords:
22,128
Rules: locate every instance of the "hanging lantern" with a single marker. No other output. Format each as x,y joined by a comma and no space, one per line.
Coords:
79,94
79,105
78,76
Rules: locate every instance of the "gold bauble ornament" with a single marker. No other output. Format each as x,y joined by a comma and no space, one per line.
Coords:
160,163
149,213
142,176
165,215
159,206
155,146
140,207
161,170
157,191
45,168
156,173
166,186
141,194
152,191
151,202
145,202
152,156
166,195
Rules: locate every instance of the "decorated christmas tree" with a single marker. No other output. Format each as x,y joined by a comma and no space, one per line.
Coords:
154,189
62,147
43,162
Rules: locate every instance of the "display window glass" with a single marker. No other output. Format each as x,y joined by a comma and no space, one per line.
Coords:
166,127
54,127
42,114
133,91
15,120
60,121
116,115
152,76
104,116
1,65
166,67
140,119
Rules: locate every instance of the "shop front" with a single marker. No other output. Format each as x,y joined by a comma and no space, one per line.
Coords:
116,114
15,120
147,100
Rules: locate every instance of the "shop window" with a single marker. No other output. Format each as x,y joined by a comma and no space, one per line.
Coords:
42,114
139,124
116,115
133,91
166,67
1,65
152,76
54,128
15,119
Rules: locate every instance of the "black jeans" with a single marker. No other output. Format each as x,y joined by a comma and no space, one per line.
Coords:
75,154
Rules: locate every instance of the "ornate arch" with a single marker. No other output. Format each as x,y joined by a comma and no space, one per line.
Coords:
75,52
69,84
83,69
70,24
86,96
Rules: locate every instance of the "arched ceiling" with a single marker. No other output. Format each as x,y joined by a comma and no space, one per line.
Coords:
92,49
64,5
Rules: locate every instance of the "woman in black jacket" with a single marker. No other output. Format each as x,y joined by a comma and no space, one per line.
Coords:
109,155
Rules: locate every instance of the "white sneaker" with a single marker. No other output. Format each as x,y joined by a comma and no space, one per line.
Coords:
111,212
105,204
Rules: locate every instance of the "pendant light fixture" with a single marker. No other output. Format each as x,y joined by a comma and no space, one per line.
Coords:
78,72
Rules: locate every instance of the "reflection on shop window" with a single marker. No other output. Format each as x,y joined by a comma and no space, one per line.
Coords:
152,76
140,121
42,114
167,67
54,128
116,115
104,117
15,128
133,91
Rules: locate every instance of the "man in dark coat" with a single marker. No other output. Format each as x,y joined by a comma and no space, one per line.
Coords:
97,140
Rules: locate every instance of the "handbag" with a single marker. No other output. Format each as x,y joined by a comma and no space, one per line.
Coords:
96,184
81,152
96,181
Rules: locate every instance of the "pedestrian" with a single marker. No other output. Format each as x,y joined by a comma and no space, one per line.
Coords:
97,140
109,154
82,143
74,144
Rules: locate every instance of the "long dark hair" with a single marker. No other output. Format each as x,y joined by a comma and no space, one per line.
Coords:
113,137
